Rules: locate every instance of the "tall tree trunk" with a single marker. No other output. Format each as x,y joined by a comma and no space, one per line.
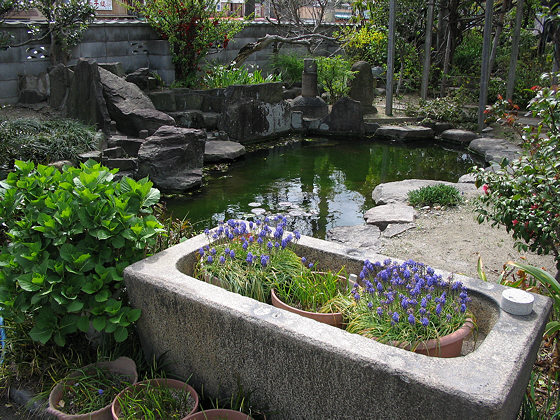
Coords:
506,5
427,50
514,49
446,64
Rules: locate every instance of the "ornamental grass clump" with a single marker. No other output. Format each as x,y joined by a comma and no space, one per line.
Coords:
312,290
249,257
405,303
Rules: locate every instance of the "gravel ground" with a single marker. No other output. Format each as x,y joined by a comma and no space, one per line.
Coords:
452,240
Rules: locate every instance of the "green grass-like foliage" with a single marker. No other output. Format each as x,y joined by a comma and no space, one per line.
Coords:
249,258
221,76
444,195
311,290
249,279
43,141
66,239
150,400
90,390
448,109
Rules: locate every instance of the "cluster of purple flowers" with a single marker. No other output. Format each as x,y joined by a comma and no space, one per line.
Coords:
258,240
409,292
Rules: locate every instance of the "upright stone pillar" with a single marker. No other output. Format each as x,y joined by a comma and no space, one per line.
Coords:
362,86
309,102
309,79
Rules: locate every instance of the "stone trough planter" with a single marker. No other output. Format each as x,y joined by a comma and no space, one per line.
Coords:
223,340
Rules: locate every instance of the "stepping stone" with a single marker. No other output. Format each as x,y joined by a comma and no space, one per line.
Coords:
285,204
222,151
406,132
387,214
397,191
462,137
494,150
362,237
395,229
467,179
258,211
254,204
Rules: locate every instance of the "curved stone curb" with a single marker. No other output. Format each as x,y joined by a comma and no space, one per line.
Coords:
494,150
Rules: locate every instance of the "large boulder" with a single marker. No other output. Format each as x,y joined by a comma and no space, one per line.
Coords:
132,110
60,79
33,89
85,99
362,86
172,158
253,112
346,117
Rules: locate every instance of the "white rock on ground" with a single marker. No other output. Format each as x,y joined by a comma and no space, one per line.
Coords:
390,214
397,192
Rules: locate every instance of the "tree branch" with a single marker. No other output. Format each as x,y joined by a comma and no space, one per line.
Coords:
261,43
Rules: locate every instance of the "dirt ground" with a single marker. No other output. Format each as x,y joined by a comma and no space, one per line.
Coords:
452,240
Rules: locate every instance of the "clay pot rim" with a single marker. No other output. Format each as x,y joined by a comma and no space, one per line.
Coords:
117,367
434,343
173,383
220,410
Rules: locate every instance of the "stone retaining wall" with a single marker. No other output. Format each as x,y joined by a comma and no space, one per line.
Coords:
131,42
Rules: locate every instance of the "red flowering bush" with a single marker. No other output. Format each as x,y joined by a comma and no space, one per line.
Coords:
193,28
524,195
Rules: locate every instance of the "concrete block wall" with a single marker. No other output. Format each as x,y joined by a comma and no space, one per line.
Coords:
133,43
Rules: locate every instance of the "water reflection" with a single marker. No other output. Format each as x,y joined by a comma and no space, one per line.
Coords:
327,183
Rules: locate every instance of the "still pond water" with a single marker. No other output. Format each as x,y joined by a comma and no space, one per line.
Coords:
317,183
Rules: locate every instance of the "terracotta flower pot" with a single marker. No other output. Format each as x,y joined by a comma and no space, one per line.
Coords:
219,414
447,346
123,366
334,318
116,409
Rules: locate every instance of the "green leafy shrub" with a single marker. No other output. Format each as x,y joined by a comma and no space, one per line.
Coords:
523,195
290,67
448,109
66,239
367,43
334,75
44,141
221,76
442,194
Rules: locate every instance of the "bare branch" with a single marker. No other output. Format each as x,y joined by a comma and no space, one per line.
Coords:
306,40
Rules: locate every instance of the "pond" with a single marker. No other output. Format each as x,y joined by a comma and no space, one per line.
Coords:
317,183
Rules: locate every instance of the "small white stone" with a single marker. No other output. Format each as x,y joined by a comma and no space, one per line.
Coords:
285,204
517,302
255,204
258,211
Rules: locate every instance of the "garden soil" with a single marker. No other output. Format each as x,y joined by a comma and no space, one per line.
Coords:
451,239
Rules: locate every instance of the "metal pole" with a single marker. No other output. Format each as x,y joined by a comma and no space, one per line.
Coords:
514,49
390,59
427,50
485,70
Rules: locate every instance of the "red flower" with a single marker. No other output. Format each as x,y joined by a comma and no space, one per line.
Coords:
514,221
535,88
485,189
